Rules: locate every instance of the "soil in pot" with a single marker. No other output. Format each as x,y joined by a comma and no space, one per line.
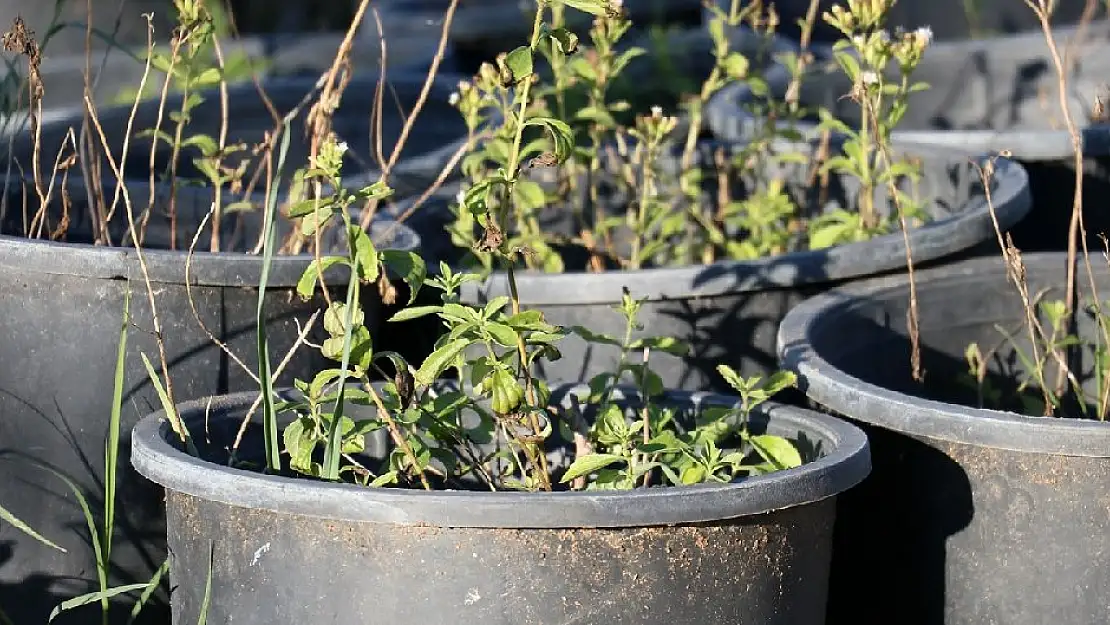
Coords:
993,95
972,514
757,548
63,311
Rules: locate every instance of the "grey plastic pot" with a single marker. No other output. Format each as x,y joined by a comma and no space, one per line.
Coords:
60,321
729,311
970,515
950,20
424,154
984,96
751,551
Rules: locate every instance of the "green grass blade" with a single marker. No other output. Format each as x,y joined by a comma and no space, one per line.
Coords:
203,618
12,520
269,419
167,405
334,449
111,446
152,586
94,536
93,597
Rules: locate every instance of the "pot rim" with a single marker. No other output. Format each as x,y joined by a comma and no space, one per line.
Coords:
843,467
726,117
934,240
220,269
872,404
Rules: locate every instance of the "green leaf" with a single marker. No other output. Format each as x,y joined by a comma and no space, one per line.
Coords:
307,284
519,62
567,40
778,381
305,207
733,378
503,334
585,465
664,344
366,255
829,235
736,65
593,7
590,337
415,312
561,135
93,597
504,391
439,360
777,450
207,78
10,519
206,144
410,266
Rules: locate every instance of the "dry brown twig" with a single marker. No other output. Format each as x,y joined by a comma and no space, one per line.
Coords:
121,190
1043,11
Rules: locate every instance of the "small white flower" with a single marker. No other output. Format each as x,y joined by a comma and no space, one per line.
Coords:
656,111
453,99
869,77
924,35
617,4
342,147
460,196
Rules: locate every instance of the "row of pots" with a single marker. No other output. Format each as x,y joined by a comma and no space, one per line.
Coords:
57,399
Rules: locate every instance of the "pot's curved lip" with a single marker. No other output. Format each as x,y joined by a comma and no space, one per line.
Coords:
726,117
843,467
932,241
872,404
219,269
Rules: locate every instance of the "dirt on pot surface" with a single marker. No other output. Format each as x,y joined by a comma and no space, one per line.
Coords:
721,572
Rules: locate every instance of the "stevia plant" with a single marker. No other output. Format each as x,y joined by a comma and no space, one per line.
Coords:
496,427
656,168
867,54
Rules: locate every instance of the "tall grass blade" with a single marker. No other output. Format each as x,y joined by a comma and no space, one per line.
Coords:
152,586
167,405
94,537
203,618
269,419
334,449
12,520
111,445
93,597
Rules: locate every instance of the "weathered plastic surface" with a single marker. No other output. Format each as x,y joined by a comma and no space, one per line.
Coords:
60,321
985,96
949,20
729,311
282,549
970,516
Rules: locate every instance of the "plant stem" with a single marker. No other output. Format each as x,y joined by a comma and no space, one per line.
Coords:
540,458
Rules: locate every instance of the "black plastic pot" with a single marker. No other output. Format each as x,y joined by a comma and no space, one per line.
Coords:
970,516
949,20
60,321
729,311
985,96
481,30
424,154
752,551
